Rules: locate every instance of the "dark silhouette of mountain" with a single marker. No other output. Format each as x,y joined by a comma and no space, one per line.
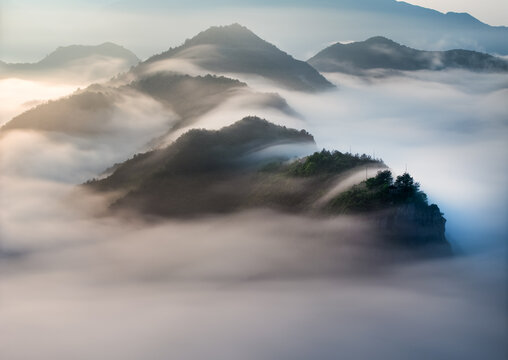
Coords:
204,152
89,111
413,25
382,53
191,97
235,49
404,212
101,61
251,164
225,170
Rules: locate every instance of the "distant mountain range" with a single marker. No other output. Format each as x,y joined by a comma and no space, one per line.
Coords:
251,164
82,62
234,49
382,53
413,25
229,49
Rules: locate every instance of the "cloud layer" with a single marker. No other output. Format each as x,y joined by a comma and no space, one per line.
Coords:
77,282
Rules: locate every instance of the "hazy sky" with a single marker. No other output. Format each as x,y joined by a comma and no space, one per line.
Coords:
30,29
493,12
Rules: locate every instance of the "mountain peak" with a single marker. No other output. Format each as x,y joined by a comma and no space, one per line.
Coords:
381,40
234,49
234,35
88,63
65,54
382,53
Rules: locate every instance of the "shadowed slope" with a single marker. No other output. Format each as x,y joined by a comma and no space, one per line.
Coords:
235,49
251,164
383,53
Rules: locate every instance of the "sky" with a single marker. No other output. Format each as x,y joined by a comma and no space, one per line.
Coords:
30,30
493,12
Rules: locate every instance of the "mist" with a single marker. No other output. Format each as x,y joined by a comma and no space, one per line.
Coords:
18,95
31,30
78,281
448,128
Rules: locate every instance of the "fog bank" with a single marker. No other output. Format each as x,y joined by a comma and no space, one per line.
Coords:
77,282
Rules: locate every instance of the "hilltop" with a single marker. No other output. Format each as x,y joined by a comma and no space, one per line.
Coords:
255,164
91,110
83,62
382,53
234,49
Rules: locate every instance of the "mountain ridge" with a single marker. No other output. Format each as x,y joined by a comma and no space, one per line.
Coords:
382,53
87,111
415,25
236,49
252,164
96,62
68,53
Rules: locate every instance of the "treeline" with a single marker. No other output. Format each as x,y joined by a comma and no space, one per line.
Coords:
383,191
328,162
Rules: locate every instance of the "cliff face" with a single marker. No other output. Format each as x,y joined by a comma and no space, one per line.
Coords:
414,226
399,210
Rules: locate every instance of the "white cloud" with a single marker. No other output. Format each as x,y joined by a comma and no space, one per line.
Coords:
261,285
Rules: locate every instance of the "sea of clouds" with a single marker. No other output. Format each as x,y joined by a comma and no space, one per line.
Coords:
77,282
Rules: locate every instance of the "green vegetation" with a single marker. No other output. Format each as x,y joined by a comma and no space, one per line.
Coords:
380,192
227,170
326,162
201,151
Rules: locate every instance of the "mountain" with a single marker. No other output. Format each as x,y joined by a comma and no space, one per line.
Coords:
202,153
416,26
235,49
252,164
66,55
213,171
184,99
91,63
382,53
83,113
403,211
193,96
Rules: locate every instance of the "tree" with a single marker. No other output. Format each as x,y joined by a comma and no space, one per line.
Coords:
406,186
382,178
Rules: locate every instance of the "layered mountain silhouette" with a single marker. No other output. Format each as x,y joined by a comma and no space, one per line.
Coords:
251,164
413,25
234,49
201,153
90,111
382,53
80,61
185,97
